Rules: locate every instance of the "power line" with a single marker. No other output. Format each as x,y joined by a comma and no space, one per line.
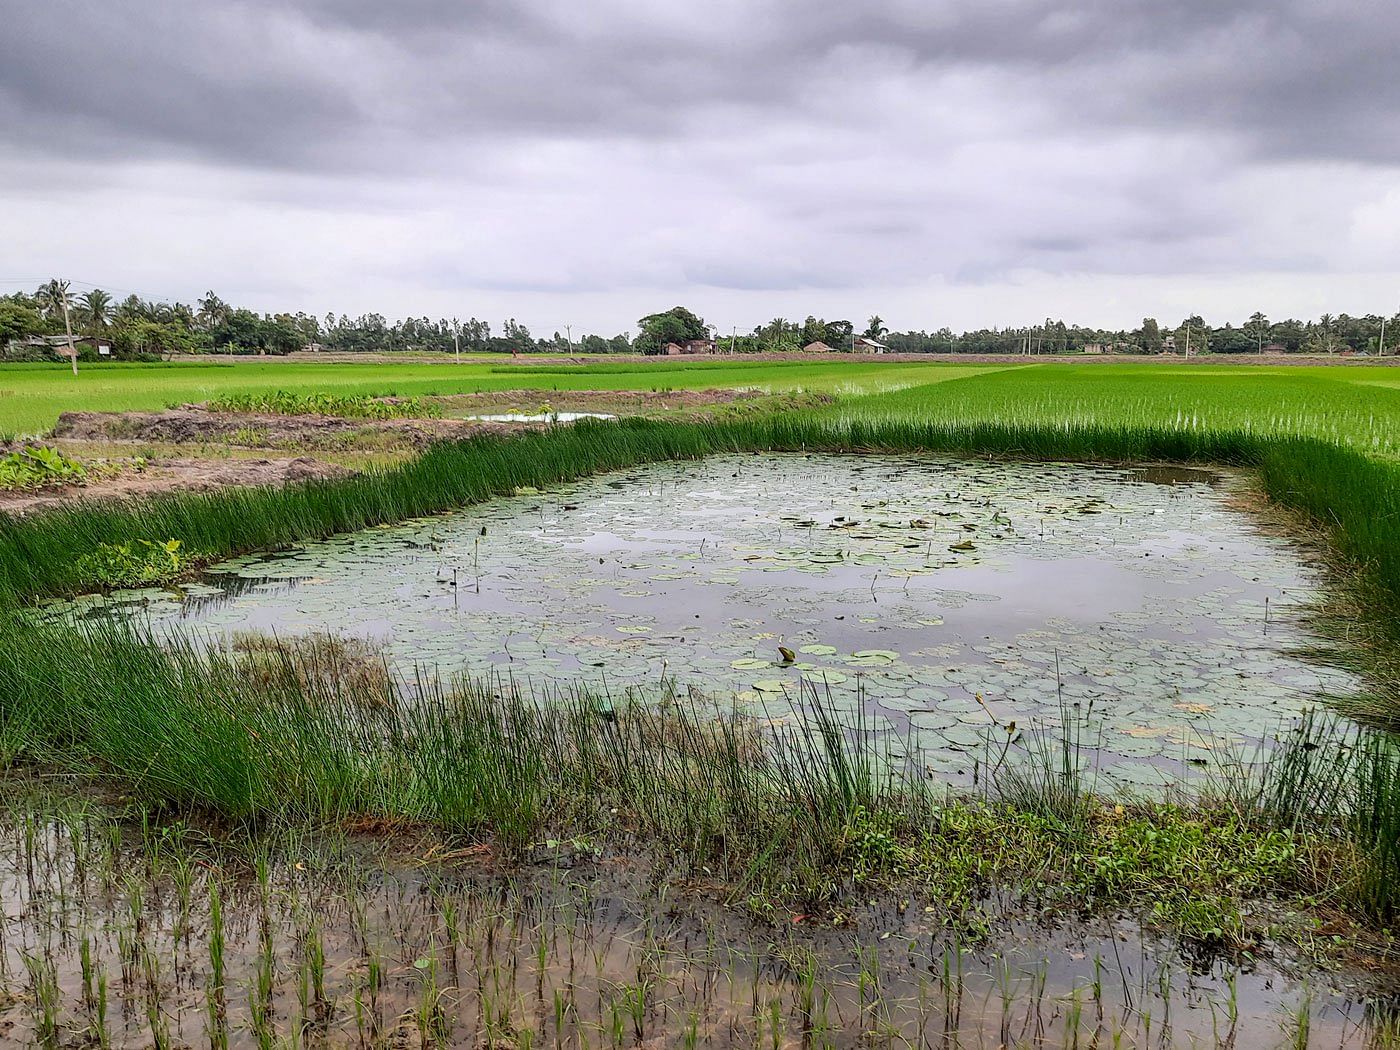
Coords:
34,282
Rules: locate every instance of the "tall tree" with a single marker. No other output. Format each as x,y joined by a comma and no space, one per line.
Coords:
1258,328
1151,335
875,328
95,310
675,325
213,311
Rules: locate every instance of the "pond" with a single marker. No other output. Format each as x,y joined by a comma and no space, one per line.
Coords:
942,598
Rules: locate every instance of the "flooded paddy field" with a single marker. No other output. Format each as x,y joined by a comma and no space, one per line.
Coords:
942,599
119,932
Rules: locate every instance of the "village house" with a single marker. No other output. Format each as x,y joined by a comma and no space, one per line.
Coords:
865,345
57,345
817,347
691,346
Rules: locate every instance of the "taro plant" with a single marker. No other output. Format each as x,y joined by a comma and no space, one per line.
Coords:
37,466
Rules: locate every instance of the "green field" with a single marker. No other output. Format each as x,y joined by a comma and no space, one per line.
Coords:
1355,407
301,741
32,396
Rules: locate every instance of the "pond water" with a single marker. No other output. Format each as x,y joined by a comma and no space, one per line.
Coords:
342,949
538,417
940,597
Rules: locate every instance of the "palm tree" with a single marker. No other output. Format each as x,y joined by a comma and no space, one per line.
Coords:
51,297
95,310
1326,321
875,327
213,311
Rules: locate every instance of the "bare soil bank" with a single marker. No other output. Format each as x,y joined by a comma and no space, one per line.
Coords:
169,475
195,425
135,449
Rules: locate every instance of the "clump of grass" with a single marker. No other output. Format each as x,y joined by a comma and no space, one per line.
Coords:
349,665
1376,825
348,406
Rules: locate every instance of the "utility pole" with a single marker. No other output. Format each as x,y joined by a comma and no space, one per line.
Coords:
1380,350
68,327
569,336
1188,342
457,339
734,339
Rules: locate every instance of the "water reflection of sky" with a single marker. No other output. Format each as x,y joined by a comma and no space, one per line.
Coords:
910,585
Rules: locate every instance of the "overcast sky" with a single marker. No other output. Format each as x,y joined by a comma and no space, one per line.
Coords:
936,162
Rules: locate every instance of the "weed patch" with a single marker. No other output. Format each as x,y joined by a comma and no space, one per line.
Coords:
137,563
348,406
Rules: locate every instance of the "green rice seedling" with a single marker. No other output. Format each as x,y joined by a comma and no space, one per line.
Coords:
45,996
260,993
1298,1025
355,406
561,1012
155,1017
99,1025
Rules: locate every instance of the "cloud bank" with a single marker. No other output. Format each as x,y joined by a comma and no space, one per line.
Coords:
937,162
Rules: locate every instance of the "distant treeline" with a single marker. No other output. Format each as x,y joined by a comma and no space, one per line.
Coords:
135,328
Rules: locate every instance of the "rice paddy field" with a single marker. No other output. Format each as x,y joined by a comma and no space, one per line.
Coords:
32,396
1024,705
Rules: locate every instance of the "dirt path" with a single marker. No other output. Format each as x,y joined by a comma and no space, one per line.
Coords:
191,449
193,425
183,475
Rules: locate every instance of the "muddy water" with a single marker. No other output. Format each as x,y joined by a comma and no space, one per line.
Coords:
942,598
107,932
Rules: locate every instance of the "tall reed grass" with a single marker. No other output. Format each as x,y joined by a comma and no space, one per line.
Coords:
185,724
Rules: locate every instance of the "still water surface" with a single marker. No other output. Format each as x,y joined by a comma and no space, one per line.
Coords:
940,597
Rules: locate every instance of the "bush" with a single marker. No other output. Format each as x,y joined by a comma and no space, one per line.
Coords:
139,563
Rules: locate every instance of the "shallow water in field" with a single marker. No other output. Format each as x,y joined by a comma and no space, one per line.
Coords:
945,599
538,417
170,941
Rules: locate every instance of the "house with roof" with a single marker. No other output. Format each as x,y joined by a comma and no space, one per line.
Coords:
690,346
56,345
865,345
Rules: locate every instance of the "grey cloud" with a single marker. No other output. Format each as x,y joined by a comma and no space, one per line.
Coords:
550,148
331,84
